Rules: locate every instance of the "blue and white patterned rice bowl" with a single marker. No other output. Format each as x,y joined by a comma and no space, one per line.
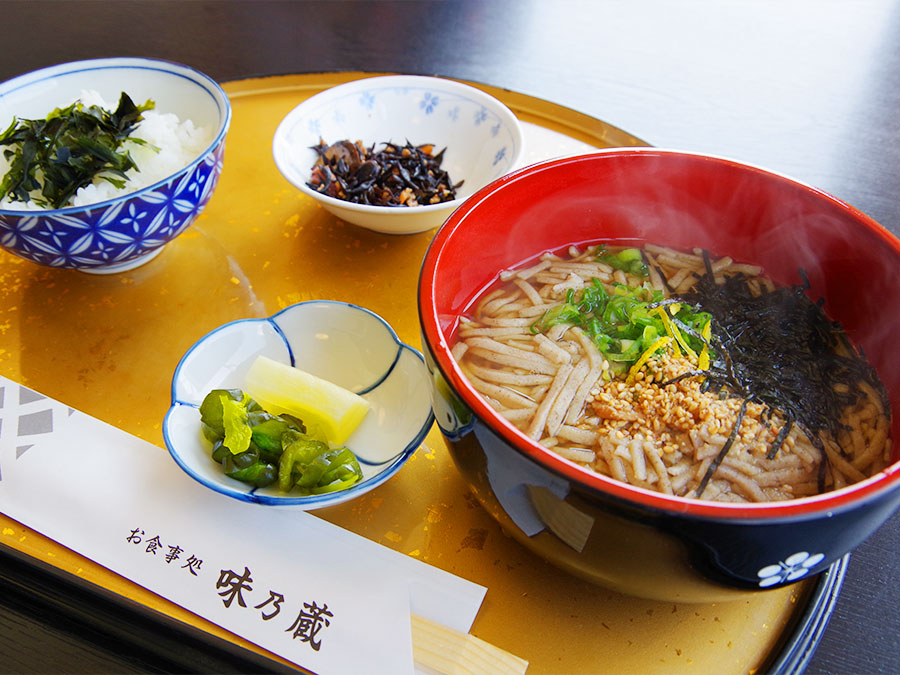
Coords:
340,342
482,137
129,230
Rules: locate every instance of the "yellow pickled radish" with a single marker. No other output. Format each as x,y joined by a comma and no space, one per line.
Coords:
280,388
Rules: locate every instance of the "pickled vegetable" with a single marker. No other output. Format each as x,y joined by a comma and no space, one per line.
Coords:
326,408
260,448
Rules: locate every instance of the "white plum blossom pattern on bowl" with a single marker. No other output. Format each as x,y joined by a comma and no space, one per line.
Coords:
794,566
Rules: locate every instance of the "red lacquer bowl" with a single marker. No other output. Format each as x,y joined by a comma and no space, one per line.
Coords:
627,538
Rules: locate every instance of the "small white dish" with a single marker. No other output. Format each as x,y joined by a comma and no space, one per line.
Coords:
343,343
482,137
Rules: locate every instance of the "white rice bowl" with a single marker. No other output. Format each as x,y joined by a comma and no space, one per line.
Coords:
171,144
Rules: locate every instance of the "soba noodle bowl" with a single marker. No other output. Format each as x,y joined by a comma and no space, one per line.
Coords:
652,419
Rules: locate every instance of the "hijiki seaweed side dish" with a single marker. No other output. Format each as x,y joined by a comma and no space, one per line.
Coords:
407,175
677,372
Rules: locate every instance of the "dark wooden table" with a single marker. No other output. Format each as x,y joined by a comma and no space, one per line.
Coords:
810,88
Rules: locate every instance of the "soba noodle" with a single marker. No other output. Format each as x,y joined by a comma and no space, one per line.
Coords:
649,428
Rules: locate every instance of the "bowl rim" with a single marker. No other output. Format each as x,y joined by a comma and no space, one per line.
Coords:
851,496
310,502
113,63
501,109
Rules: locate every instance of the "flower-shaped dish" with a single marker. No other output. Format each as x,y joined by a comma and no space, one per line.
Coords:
127,231
343,343
482,137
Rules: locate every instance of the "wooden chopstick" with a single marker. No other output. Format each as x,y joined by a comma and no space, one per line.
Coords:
438,649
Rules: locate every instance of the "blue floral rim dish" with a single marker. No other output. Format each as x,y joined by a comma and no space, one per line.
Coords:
478,138
465,114
340,342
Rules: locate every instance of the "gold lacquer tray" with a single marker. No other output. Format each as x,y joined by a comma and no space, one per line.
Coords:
108,345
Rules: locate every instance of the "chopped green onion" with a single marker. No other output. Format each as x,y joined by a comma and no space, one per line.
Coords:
623,323
628,260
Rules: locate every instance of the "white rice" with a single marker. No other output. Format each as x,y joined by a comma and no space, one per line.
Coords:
171,145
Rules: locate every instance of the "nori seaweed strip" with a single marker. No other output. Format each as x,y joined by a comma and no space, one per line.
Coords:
779,439
664,302
820,479
711,469
664,279
685,375
780,349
